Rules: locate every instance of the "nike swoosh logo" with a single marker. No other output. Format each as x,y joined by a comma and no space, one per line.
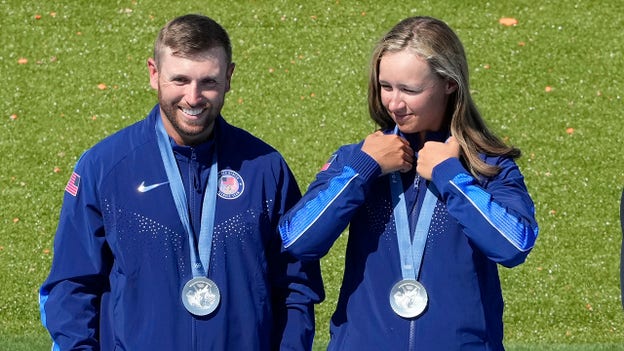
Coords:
145,188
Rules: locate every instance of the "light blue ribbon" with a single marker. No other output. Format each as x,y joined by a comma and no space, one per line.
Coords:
200,254
410,251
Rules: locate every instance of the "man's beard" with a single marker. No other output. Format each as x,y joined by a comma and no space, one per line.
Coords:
199,127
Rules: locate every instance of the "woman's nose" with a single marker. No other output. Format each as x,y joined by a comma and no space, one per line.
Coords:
395,101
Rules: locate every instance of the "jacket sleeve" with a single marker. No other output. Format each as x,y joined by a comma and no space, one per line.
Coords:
497,215
311,227
299,283
70,297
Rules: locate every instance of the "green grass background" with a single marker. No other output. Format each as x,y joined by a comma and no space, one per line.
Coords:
300,84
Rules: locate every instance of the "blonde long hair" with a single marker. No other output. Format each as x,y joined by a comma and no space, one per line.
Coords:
436,42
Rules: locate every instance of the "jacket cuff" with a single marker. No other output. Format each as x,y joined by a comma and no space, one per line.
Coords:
364,165
445,172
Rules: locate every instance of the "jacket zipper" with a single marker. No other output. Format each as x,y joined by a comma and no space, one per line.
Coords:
192,189
412,336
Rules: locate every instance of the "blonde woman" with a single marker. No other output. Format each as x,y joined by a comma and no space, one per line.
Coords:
434,202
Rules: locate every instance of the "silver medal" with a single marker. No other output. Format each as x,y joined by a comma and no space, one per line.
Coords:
408,298
201,296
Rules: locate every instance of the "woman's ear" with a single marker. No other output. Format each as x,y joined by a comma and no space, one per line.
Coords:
451,86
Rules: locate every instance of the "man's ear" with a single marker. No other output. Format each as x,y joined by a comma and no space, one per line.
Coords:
153,73
229,73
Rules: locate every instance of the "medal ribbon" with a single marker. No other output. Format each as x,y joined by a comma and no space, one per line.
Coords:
410,252
200,254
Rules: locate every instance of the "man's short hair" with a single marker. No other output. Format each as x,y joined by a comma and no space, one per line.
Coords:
190,35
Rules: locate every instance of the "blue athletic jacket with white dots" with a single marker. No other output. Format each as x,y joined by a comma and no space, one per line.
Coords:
476,225
121,254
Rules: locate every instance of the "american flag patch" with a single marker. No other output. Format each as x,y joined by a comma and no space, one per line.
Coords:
72,185
328,163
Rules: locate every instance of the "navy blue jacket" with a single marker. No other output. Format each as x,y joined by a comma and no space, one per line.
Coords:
475,225
121,256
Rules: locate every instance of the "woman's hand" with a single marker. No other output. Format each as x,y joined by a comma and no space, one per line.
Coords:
433,153
390,151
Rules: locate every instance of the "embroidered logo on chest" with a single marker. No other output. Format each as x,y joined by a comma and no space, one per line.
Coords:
231,184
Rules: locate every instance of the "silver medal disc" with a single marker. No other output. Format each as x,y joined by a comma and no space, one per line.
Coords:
408,298
201,296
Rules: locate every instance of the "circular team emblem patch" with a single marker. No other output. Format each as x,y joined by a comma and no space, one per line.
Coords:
231,184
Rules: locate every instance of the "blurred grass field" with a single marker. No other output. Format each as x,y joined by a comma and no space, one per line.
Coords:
74,72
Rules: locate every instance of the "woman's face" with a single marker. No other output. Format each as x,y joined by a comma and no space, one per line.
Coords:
414,96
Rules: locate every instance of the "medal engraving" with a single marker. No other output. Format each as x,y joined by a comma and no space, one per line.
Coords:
201,296
408,298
